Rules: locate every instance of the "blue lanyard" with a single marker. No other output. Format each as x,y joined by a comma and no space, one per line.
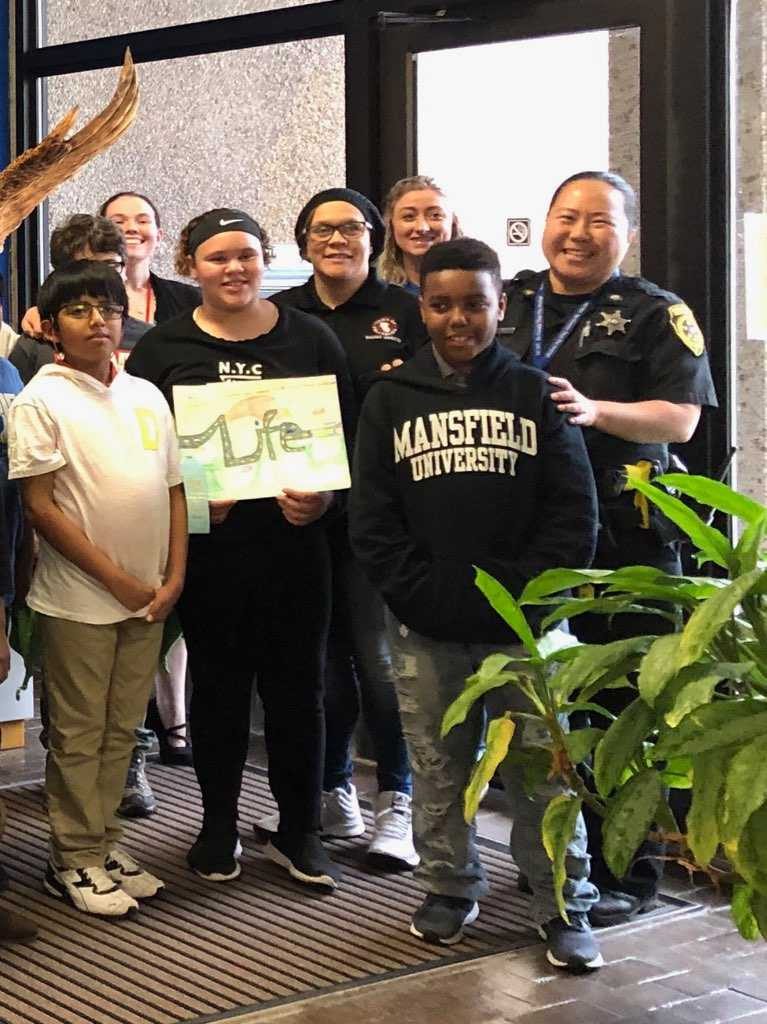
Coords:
542,357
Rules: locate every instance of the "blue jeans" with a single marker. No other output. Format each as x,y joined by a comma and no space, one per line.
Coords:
359,677
430,674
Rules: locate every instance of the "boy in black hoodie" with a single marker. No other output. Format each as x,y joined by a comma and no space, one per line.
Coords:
463,460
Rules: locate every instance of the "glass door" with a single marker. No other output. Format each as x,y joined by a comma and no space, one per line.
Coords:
500,107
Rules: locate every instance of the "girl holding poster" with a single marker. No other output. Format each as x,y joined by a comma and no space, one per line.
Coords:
257,595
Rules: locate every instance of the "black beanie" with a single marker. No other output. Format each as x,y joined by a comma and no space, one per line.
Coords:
344,195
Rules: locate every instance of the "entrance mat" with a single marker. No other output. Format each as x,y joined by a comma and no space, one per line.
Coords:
205,951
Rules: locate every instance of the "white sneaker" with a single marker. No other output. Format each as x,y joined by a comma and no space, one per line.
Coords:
392,845
131,877
89,889
341,815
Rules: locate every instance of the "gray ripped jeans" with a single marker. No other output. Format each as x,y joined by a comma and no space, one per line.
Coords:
430,674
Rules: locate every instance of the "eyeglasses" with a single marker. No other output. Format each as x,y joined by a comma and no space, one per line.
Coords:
115,265
350,230
84,310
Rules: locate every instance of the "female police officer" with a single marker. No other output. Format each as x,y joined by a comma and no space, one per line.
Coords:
628,363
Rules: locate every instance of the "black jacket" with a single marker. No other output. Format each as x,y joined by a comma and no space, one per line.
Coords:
447,477
172,297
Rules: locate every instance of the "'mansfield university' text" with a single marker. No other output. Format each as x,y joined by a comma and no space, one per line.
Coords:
464,441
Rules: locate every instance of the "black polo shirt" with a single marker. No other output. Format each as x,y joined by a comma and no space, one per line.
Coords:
380,322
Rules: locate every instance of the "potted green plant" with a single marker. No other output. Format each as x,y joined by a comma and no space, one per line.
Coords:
699,720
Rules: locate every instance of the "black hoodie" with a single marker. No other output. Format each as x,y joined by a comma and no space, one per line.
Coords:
449,476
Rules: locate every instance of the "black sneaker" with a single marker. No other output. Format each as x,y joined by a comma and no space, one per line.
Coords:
571,946
305,859
441,919
619,908
214,856
138,799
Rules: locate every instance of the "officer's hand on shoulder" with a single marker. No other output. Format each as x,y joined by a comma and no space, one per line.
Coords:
582,411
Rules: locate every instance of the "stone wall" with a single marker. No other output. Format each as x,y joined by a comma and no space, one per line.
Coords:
749,358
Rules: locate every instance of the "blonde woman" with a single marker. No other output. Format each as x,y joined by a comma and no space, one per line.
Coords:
417,215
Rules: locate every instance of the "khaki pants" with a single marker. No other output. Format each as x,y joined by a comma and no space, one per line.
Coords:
98,680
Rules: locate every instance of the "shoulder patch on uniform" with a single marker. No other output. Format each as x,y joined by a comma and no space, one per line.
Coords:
686,327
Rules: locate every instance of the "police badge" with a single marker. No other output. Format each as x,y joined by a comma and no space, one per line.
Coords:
686,328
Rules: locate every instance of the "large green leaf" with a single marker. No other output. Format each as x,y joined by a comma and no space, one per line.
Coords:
557,829
714,494
742,914
629,817
658,667
709,617
592,662
499,734
554,581
759,908
745,788
703,816
749,548
476,687
713,544
657,592
506,606
601,606
716,725
581,742
620,745
749,853
692,694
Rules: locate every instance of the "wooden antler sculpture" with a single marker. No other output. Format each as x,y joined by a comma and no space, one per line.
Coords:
38,171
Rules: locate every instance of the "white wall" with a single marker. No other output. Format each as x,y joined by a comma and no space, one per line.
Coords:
499,126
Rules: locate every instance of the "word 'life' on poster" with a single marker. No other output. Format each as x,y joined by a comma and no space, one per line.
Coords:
254,438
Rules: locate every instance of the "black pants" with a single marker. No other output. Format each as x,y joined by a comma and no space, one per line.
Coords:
258,610
616,549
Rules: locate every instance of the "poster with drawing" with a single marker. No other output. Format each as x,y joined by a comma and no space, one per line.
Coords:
253,438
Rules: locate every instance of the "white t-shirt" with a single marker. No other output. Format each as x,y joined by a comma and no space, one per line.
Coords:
114,452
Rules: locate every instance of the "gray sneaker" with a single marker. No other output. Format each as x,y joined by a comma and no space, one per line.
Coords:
571,946
138,799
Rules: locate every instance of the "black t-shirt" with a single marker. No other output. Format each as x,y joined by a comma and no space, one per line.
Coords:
179,352
379,323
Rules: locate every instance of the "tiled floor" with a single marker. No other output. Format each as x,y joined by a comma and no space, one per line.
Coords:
690,969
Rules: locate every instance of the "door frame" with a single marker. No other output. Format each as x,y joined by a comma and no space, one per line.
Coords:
684,142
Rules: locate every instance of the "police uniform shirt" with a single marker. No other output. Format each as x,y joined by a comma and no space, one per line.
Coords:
379,323
635,343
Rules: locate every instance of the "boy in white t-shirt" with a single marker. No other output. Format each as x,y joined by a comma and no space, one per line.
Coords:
97,455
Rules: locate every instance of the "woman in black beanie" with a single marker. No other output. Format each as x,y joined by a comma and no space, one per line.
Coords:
340,232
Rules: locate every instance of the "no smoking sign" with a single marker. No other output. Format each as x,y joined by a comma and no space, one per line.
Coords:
518,231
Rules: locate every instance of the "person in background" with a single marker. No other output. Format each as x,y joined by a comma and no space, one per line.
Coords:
13,927
151,298
340,232
462,461
256,601
8,337
82,236
627,362
154,299
97,456
417,216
